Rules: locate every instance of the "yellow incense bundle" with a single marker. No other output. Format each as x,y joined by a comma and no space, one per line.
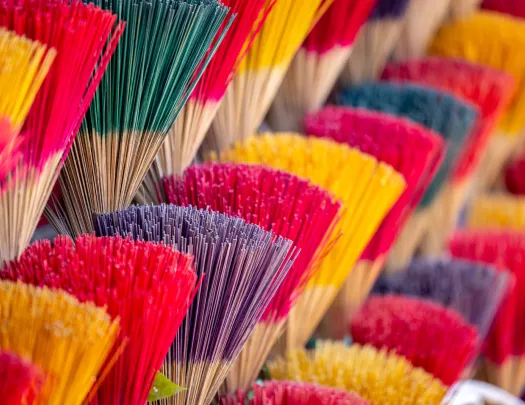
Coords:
495,40
367,189
378,376
497,211
68,340
261,72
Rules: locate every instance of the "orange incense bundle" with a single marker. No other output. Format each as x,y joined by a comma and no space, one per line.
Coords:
429,335
192,124
318,63
488,89
20,380
290,393
505,351
412,150
148,286
84,37
276,201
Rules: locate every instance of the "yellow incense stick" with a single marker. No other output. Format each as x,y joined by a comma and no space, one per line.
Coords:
68,340
497,211
367,189
377,376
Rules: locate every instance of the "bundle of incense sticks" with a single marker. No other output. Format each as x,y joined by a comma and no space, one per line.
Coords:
421,22
375,43
514,180
463,8
23,66
432,337
290,393
262,70
318,62
505,350
490,90
276,201
495,40
84,38
192,124
475,290
57,333
413,151
20,380
511,7
497,211
139,98
242,267
367,188
440,111
147,286
376,375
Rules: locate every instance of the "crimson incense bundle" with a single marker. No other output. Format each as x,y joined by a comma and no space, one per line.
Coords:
242,266
512,7
84,37
318,63
505,351
429,335
147,286
411,150
488,89
290,393
514,179
279,202
20,380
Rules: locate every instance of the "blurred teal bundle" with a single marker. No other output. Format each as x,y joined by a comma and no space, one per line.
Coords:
441,112
165,48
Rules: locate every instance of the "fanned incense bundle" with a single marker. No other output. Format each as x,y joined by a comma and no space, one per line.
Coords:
475,290
377,376
192,124
497,211
23,67
290,393
84,38
505,351
148,286
20,380
262,70
427,334
375,42
57,333
487,89
411,150
439,111
367,188
318,63
164,51
243,267
421,22
276,201
463,8
514,179
495,40
512,7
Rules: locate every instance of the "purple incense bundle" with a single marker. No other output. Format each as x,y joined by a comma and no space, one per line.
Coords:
475,290
243,266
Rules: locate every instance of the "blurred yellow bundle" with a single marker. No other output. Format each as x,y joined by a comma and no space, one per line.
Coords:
367,188
68,340
377,376
261,72
495,211
495,40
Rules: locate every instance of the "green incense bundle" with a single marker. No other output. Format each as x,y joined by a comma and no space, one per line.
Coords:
165,48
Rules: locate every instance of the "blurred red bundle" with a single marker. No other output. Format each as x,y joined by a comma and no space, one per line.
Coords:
148,286
291,393
279,202
84,37
20,380
318,63
512,7
505,351
514,178
429,335
412,150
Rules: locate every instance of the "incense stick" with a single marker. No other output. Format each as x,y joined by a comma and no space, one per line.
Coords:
20,380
